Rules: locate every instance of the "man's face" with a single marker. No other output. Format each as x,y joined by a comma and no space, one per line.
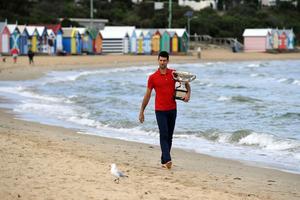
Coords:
163,62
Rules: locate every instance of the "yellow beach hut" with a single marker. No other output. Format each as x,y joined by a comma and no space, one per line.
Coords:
174,42
155,41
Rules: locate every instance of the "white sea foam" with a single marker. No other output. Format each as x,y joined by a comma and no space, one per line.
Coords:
269,142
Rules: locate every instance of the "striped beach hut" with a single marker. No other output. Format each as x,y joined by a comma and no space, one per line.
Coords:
116,39
5,40
2,26
24,39
165,41
155,42
14,37
33,38
71,40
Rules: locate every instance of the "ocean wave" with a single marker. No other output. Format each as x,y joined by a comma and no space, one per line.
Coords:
289,115
239,99
289,81
246,137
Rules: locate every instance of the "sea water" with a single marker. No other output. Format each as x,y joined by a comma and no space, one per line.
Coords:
246,111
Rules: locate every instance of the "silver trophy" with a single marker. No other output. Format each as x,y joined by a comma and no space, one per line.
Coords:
181,78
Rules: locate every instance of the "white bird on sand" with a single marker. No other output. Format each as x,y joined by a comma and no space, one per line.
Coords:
115,172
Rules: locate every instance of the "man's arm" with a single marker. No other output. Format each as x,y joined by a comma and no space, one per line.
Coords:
144,104
188,94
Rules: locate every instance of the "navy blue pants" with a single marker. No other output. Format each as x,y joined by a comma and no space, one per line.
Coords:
166,124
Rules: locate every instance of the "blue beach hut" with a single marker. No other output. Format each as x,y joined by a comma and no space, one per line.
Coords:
24,39
133,40
147,42
14,39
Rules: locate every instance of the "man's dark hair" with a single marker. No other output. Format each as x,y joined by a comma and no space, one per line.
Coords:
163,54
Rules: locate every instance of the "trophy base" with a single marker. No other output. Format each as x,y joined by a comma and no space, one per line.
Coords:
180,94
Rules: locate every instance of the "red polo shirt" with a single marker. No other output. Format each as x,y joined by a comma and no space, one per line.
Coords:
164,86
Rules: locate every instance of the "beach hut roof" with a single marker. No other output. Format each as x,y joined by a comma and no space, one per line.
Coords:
2,25
81,30
69,32
21,28
55,27
179,31
256,32
40,30
115,32
50,32
11,28
94,33
30,30
172,33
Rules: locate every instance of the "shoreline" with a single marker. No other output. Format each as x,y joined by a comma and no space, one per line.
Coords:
57,163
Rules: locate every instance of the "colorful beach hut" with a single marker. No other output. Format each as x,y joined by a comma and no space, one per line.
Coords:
2,25
133,42
140,41
174,42
71,40
147,42
58,44
155,42
165,41
14,37
33,38
86,40
275,36
51,37
291,39
97,40
42,39
5,40
24,38
282,40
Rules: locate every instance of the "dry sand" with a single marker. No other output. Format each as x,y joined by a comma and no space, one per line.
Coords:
47,162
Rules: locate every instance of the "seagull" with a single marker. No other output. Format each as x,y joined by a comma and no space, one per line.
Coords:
115,172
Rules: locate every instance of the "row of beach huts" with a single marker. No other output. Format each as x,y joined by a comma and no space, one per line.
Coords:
268,39
54,39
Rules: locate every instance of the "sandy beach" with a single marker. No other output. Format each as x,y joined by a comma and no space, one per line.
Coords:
48,162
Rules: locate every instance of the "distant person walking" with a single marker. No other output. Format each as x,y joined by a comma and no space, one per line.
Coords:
30,56
199,52
15,53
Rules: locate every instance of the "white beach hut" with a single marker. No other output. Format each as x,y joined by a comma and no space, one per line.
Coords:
116,39
257,40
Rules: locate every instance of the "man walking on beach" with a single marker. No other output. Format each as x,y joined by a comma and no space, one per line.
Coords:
165,105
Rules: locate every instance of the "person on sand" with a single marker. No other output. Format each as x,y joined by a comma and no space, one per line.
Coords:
30,56
14,53
165,105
